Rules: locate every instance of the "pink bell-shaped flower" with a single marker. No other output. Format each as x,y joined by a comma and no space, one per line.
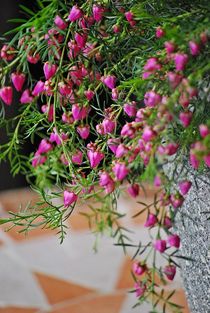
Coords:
170,271
38,88
120,170
60,23
18,80
6,94
69,198
26,97
109,81
75,13
151,220
174,241
184,186
49,70
160,245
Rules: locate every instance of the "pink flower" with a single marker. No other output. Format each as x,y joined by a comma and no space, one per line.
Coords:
139,269
79,113
75,14
18,80
66,118
176,200
44,146
207,160
84,131
140,289
69,198
89,94
108,126
204,130
185,118
174,79
59,22
194,48
98,12
160,245
171,148
194,160
26,97
113,144
33,59
129,16
159,32
77,157
120,170
49,110
116,29
80,39
169,46
38,159
174,241
130,108
38,88
128,130
152,65
148,134
58,139
157,181
105,179
115,94
151,98
49,70
6,94
7,53
184,186
180,60
167,222
133,190
121,150
95,157
151,220
109,81
170,271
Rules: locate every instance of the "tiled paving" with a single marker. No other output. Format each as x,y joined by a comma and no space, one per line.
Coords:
38,275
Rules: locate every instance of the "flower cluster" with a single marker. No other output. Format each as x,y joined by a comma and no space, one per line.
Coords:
109,116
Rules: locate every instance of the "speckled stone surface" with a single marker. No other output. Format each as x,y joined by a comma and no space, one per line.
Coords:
193,227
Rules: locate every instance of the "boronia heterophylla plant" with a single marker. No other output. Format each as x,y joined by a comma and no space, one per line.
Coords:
118,90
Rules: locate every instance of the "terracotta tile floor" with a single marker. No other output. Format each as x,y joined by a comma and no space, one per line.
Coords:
38,275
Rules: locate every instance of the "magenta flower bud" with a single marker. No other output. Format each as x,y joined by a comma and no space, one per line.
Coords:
49,70
108,126
174,79
133,190
146,75
49,111
204,130
89,94
176,200
174,241
185,118
129,16
171,148
18,80
121,150
127,130
151,220
38,159
115,94
33,59
58,139
67,119
84,131
157,181
194,48
65,89
148,134
59,22
64,160
169,46
139,269
75,14
207,160
26,97
120,170
194,161
141,144
160,245
6,53
151,98
38,88
44,146
80,39
180,60
140,289
77,157
184,186
130,108
109,81
110,187
159,32
170,271
167,222
6,94
106,180
95,157
152,65
79,113
69,198
98,12
113,144
116,29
